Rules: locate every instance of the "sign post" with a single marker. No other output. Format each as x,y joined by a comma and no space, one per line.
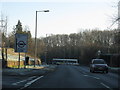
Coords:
19,61
25,61
21,44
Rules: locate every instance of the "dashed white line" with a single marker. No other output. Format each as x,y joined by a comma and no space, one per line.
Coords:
100,83
105,86
29,83
82,72
92,76
32,77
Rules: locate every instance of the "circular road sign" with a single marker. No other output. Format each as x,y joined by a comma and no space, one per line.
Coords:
21,44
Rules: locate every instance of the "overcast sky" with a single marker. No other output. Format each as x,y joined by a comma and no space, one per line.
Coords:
65,16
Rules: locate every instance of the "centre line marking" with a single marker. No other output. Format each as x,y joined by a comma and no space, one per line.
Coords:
29,83
92,76
82,71
23,80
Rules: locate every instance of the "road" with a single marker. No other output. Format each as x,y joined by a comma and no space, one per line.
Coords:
65,76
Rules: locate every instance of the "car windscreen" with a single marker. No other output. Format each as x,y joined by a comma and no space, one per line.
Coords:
98,62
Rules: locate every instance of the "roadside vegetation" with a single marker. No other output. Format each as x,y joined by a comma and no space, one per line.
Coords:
83,45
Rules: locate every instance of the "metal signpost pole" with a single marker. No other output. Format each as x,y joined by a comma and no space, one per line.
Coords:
25,61
19,61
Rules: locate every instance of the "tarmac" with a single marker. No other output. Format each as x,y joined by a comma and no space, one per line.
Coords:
38,70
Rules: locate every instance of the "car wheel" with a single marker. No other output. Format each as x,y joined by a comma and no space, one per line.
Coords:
103,71
106,71
90,70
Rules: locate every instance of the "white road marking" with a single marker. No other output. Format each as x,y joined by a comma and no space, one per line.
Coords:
82,71
105,86
23,80
92,76
32,77
29,83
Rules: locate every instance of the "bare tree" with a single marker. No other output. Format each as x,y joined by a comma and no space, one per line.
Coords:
3,30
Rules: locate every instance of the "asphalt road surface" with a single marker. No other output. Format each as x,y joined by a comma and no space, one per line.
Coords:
65,76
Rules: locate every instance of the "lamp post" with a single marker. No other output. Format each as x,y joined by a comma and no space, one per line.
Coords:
36,34
99,52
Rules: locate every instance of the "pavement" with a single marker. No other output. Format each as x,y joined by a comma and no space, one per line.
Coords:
29,71
114,69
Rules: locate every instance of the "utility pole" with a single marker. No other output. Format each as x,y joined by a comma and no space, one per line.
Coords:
46,50
118,15
6,41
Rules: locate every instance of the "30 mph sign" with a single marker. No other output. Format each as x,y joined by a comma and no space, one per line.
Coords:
21,42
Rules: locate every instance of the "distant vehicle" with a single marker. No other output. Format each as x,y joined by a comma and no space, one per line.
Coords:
98,65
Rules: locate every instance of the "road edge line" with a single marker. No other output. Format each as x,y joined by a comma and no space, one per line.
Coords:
105,86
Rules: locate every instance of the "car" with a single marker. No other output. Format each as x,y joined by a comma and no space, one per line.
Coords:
98,65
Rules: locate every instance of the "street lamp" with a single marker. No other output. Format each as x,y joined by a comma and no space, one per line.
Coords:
36,34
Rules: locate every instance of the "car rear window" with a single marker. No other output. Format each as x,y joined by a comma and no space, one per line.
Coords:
98,62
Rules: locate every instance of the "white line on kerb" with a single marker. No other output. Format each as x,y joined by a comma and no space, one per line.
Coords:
106,86
29,83
23,80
